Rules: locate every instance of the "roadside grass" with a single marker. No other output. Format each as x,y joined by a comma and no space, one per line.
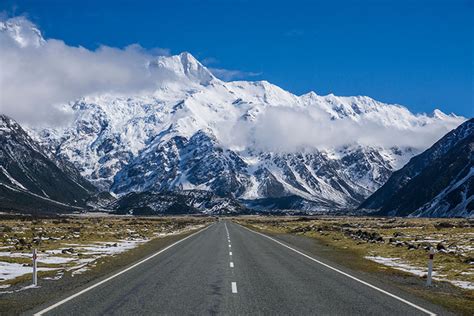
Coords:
19,302
352,239
79,243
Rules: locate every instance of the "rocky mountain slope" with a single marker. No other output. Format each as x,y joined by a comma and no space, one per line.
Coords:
248,141
182,202
31,181
200,133
437,183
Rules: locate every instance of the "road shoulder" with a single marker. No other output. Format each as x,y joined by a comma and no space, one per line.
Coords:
444,299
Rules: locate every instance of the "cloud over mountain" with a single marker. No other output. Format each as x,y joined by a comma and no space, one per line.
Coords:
290,129
40,77
37,74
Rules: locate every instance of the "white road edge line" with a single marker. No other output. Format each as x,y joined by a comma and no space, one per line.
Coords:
234,287
346,274
231,264
47,309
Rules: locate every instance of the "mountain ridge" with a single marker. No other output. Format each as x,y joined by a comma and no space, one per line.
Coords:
438,182
113,138
250,141
31,181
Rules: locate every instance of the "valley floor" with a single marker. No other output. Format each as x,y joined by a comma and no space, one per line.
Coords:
228,269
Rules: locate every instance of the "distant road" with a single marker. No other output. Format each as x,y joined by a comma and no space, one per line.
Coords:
228,269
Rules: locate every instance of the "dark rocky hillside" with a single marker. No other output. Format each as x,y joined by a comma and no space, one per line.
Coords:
439,182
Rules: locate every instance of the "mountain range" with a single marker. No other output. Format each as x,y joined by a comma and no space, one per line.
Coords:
33,182
437,183
213,146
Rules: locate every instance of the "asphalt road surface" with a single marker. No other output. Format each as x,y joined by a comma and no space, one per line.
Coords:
227,269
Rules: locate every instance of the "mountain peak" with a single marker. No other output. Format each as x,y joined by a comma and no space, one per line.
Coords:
22,31
437,113
7,124
194,69
185,65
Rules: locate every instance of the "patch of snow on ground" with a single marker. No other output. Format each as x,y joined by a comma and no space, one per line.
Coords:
108,248
10,271
42,257
398,264
462,284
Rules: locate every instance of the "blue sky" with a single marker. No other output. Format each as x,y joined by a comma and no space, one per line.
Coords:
415,53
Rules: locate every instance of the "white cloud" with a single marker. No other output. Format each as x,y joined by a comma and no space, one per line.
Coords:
229,75
289,129
209,61
37,75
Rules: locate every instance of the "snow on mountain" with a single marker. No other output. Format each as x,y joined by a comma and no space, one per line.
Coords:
30,181
247,140
185,66
437,183
188,134
22,31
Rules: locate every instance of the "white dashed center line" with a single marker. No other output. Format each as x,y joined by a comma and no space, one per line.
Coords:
231,264
226,230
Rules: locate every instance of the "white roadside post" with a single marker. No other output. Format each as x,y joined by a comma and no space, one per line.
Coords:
430,267
35,272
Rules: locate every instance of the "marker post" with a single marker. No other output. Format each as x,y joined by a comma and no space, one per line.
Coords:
35,270
430,267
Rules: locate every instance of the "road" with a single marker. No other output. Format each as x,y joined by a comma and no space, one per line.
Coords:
230,270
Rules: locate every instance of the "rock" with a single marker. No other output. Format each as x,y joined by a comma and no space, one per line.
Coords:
469,260
68,250
440,247
375,237
425,245
411,246
443,225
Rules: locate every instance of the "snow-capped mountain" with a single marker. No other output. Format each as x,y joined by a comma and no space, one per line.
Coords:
197,132
437,183
244,140
32,182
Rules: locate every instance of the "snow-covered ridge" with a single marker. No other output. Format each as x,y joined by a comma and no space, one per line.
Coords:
257,140
185,66
241,139
22,32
